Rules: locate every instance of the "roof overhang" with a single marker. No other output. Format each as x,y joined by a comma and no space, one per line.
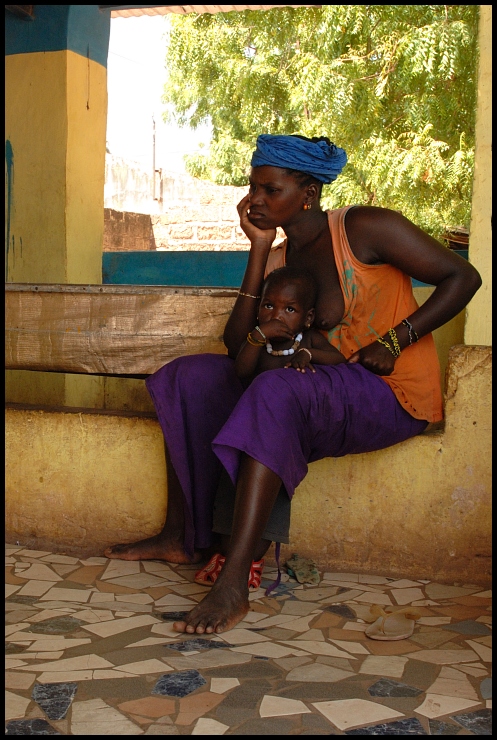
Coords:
128,11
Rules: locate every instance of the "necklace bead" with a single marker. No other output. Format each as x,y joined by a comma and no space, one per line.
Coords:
279,352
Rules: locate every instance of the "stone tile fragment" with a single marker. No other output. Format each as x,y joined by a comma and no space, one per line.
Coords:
279,706
35,726
222,685
468,627
318,673
179,684
55,698
385,687
479,722
384,665
193,707
206,726
15,705
436,705
437,727
96,717
486,688
408,726
444,657
105,629
484,652
348,713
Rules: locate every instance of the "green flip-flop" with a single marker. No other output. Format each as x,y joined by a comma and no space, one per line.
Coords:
303,569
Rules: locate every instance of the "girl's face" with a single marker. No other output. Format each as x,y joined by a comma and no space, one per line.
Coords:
275,198
284,303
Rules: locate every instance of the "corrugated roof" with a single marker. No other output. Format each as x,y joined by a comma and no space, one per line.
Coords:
182,9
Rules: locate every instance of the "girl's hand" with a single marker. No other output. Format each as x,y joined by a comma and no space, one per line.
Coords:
376,358
263,238
275,329
301,360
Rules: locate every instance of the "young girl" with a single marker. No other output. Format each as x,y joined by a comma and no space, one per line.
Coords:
283,337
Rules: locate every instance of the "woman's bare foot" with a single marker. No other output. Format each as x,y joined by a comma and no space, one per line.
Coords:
153,548
221,609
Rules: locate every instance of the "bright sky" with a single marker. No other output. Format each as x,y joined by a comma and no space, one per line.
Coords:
135,79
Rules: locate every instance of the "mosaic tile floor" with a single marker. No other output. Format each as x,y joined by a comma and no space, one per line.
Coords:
90,650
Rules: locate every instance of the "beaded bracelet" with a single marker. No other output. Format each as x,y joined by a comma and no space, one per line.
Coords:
248,295
254,342
393,336
385,344
411,331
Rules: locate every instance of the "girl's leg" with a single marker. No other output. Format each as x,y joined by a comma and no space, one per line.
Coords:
227,602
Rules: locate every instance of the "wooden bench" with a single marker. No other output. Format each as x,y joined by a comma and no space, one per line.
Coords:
122,330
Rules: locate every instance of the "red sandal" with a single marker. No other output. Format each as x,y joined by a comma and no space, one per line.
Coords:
208,575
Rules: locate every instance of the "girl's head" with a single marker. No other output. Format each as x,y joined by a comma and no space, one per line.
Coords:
289,295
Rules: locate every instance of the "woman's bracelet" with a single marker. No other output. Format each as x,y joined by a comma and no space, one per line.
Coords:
387,345
254,342
393,336
249,295
304,349
412,331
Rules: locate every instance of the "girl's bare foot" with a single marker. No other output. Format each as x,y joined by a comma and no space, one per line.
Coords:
221,609
153,548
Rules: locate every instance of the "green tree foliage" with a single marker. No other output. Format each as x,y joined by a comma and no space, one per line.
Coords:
394,85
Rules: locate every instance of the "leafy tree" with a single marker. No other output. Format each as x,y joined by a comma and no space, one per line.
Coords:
394,85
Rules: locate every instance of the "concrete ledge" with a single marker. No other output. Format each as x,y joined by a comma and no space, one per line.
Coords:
79,480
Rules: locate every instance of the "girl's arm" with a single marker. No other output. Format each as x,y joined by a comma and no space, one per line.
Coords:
248,357
320,352
243,317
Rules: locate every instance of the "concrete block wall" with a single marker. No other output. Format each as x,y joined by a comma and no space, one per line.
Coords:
192,214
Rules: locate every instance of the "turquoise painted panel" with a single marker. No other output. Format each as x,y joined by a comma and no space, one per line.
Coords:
84,29
202,269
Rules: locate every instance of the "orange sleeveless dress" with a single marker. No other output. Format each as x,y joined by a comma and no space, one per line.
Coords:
378,297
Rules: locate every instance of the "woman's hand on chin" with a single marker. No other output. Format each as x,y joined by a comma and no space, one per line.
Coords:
258,237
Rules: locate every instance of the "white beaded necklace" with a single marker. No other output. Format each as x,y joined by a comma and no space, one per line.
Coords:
278,352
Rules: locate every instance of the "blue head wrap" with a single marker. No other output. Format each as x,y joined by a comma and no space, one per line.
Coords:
319,159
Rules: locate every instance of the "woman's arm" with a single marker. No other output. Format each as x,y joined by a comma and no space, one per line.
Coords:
384,236
243,317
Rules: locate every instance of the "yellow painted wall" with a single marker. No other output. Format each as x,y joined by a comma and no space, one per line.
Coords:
59,165
77,482
478,328
56,117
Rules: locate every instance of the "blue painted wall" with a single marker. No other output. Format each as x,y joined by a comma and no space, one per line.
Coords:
202,269
84,29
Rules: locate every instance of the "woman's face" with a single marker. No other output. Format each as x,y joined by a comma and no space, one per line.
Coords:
275,198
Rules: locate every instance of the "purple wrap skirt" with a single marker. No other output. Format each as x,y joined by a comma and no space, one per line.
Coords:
284,419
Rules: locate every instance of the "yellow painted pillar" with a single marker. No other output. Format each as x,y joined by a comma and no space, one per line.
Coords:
478,329
56,117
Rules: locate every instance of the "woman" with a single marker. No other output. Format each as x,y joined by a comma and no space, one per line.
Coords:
363,259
